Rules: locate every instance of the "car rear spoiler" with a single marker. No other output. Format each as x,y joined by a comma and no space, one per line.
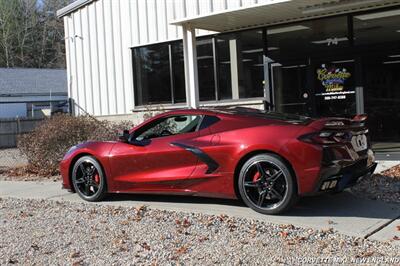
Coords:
341,124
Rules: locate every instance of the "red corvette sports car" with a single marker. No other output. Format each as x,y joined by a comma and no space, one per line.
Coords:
266,159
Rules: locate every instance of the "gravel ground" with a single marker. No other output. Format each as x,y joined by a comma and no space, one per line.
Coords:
60,233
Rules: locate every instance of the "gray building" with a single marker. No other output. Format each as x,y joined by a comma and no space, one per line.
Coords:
35,93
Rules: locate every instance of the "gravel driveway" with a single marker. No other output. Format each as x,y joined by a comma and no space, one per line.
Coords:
48,232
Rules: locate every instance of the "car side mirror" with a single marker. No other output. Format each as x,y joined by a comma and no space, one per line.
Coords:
124,136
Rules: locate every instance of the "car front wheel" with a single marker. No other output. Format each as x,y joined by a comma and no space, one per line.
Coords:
88,179
267,185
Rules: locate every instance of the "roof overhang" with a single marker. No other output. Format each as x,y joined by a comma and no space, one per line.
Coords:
72,7
278,12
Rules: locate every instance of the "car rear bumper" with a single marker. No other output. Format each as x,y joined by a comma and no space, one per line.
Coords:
339,174
345,178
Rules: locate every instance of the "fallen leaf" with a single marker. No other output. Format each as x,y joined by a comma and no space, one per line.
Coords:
77,263
222,217
182,250
74,254
145,246
202,239
186,223
125,222
12,261
286,226
365,254
283,234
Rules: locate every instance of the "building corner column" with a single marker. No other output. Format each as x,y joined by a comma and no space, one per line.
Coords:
190,61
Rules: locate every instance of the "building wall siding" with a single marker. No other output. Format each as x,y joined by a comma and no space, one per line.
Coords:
99,38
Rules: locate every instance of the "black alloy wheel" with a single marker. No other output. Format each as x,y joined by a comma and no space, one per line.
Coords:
88,179
267,185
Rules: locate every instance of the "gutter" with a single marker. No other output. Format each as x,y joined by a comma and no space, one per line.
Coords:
72,7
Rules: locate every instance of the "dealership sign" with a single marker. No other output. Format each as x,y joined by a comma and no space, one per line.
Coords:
332,82
332,79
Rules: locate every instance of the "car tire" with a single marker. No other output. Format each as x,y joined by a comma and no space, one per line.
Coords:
266,184
88,179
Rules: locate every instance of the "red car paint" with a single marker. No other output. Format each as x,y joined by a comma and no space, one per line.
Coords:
162,167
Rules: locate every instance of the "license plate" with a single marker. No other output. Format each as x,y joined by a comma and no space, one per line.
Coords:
359,142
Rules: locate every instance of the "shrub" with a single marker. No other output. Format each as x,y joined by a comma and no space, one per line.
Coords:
47,144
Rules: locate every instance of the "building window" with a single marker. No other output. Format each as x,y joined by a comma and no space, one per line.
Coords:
205,65
178,71
379,27
159,74
224,68
240,64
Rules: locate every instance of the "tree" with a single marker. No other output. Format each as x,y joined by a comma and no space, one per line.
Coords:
31,35
9,26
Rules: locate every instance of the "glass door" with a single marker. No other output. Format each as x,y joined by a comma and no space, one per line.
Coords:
381,77
291,93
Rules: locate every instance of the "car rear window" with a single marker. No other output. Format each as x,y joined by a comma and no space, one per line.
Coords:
208,121
290,118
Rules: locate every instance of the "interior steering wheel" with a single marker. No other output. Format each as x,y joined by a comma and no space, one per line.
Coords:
165,133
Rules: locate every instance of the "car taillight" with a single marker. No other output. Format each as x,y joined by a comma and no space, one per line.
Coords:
326,137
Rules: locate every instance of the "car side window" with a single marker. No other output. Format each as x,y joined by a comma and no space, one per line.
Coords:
168,126
208,121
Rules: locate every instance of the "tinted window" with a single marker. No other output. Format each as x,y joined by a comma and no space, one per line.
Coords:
178,69
152,75
205,66
208,121
158,72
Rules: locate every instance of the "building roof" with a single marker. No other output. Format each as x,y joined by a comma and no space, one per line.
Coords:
72,7
278,12
33,81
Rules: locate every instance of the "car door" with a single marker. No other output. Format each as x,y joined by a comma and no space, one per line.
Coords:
153,160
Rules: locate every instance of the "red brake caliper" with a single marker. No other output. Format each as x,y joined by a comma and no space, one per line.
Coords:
97,178
256,176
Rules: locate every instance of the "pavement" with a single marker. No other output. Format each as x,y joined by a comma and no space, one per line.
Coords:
384,165
343,212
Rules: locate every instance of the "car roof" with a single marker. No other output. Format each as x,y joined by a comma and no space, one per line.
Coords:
244,112
217,111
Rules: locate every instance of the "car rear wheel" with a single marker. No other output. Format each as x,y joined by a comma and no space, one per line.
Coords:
88,179
267,185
